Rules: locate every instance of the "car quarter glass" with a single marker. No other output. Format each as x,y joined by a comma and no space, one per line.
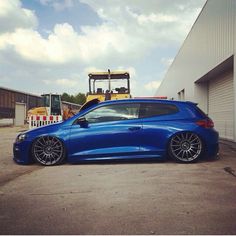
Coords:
156,109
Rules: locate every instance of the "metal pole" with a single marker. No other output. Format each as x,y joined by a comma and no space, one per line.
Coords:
128,85
109,80
94,86
89,85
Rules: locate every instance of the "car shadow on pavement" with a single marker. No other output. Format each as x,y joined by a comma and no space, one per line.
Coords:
112,162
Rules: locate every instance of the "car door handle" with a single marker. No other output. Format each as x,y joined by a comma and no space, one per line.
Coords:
135,128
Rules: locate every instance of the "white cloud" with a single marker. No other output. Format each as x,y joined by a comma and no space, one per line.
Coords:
131,70
29,44
58,5
156,18
154,21
124,34
144,19
66,83
12,16
166,61
152,86
64,44
90,69
129,31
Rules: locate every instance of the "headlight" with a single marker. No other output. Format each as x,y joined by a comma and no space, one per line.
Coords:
21,137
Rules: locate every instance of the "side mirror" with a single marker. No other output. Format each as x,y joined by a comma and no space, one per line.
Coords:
82,122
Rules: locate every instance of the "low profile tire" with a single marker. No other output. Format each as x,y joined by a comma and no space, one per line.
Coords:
48,151
185,147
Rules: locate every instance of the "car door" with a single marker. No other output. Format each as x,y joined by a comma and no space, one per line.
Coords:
158,124
113,130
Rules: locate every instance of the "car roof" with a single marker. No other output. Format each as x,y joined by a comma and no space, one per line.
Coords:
147,100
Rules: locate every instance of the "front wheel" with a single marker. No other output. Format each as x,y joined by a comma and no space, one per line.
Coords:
185,147
48,150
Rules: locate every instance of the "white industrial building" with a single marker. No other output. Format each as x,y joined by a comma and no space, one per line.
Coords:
204,69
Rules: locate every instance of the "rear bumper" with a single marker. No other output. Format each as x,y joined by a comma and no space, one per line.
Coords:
210,138
212,150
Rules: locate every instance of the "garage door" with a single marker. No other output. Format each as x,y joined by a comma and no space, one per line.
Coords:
20,114
221,104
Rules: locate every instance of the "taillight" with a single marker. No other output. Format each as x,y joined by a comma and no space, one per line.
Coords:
207,123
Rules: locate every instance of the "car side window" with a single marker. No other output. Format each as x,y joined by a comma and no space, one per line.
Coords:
114,112
156,109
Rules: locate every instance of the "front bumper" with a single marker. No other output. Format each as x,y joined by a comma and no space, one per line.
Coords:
21,152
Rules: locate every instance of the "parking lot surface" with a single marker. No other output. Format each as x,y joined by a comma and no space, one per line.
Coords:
117,197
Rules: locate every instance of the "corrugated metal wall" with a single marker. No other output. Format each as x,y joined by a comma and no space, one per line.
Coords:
9,98
211,41
207,52
221,104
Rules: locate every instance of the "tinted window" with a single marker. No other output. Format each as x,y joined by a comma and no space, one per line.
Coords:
55,105
46,101
113,113
156,109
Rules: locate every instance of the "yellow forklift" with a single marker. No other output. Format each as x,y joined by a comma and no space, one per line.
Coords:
109,85
52,105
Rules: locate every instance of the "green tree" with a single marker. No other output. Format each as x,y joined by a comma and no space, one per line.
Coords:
66,97
80,98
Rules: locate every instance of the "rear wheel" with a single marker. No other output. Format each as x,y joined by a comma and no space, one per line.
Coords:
48,150
185,147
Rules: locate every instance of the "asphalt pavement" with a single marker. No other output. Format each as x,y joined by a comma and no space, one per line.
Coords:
117,197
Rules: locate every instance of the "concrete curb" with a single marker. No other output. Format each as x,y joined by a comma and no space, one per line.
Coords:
228,143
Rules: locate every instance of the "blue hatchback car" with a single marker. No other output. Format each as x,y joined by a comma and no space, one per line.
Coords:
122,129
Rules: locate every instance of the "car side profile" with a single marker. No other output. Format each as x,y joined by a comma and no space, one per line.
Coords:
122,129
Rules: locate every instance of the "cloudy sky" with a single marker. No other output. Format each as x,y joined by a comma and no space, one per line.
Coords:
51,45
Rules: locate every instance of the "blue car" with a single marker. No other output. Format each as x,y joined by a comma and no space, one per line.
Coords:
122,129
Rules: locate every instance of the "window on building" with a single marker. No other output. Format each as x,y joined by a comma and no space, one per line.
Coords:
181,95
